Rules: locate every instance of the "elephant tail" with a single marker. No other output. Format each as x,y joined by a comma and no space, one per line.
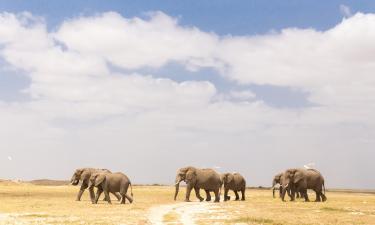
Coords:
131,189
324,188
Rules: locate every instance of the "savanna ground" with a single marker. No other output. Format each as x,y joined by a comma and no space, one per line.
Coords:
24,203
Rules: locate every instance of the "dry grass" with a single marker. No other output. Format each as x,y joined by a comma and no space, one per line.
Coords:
34,204
261,208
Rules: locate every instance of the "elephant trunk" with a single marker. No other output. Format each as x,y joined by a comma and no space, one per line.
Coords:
284,187
177,188
74,181
273,188
177,184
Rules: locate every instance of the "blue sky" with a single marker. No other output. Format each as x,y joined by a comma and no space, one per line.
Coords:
246,85
238,17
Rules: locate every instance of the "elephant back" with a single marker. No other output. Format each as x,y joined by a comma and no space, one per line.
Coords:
208,176
314,177
239,180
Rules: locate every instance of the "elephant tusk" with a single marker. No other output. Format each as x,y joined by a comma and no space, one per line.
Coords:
177,183
286,185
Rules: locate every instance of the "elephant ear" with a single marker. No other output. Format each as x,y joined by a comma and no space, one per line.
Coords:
99,179
85,175
298,175
78,172
184,170
222,178
191,175
230,178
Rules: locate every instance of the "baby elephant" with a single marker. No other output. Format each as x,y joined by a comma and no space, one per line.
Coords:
234,182
111,182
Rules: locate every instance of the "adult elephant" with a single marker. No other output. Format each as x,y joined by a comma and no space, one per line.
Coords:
84,174
235,182
299,180
195,178
111,183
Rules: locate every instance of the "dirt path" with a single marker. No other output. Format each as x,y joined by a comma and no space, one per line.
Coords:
180,213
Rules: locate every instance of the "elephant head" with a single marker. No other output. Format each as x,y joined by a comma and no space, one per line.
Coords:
96,179
76,177
227,178
187,174
276,180
290,178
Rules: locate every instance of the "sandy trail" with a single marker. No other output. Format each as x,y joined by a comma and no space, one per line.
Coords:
186,212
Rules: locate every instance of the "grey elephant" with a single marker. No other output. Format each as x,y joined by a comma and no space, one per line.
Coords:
235,182
195,178
84,174
299,180
277,179
111,183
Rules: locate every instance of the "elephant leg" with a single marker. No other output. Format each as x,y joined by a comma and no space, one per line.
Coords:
129,198
237,196
208,196
81,190
198,194
324,198
226,197
98,193
291,194
297,194
306,196
243,195
92,194
280,191
217,196
117,195
107,196
188,190
123,199
317,193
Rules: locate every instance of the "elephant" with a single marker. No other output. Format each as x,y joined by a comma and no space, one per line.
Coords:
195,178
111,182
299,180
277,179
84,175
235,182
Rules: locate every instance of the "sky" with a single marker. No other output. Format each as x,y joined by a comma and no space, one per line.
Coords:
147,87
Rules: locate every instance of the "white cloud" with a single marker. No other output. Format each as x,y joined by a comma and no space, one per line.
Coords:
133,43
82,112
345,10
242,95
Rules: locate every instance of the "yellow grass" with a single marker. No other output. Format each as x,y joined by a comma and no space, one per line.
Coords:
31,204
261,208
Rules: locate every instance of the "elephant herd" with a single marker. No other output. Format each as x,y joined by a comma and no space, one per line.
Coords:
292,182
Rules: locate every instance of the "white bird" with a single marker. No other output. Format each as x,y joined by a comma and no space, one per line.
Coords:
309,165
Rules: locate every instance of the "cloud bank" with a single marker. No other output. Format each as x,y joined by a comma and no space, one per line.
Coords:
91,106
